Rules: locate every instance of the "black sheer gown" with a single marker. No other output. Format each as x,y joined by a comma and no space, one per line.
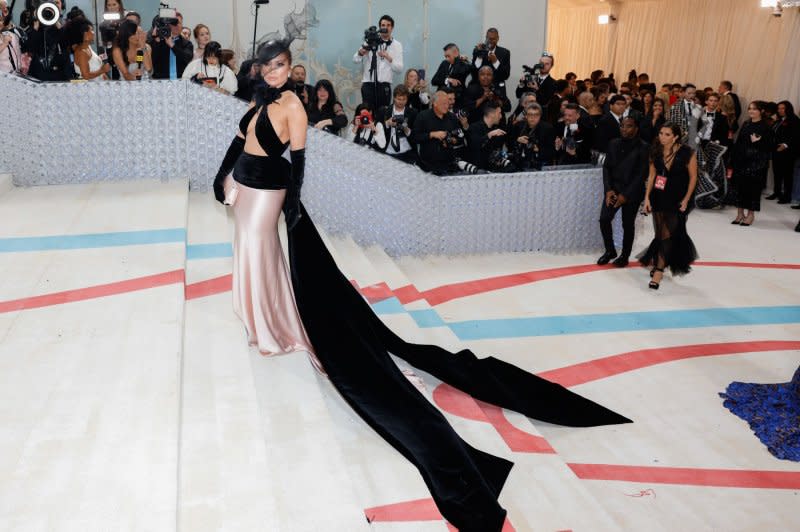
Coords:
671,246
353,346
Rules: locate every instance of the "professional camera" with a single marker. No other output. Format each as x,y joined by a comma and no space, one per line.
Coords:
467,168
373,38
166,16
526,156
456,139
399,121
364,118
530,72
110,27
499,160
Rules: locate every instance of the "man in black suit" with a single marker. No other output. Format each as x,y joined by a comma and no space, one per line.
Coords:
574,138
489,53
542,84
452,72
625,170
609,126
712,125
303,89
171,55
484,136
563,92
533,141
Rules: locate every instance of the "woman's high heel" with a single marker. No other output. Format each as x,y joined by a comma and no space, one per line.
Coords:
654,285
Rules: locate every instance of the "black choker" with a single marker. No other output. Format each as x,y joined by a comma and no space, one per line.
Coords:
266,95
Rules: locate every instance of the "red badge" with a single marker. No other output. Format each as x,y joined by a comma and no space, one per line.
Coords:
661,182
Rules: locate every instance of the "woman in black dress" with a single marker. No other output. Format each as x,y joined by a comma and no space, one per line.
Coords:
751,156
670,186
652,122
324,110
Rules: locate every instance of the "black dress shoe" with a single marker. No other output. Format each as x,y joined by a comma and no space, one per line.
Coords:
606,257
783,201
772,196
621,261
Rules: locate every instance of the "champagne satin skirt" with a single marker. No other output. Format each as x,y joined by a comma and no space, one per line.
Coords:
262,291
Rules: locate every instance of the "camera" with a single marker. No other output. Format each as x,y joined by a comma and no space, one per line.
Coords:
499,159
166,17
530,72
399,121
110,27
373,38
455,139
467,168
47,13
364,118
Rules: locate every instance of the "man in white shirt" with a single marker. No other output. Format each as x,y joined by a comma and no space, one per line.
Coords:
685,113
382,63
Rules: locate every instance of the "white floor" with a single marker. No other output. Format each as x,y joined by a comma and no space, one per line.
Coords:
129,399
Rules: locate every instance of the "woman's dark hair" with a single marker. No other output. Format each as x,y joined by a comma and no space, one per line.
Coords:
790,114
74,13
272,49
74,30
328,106
121,6
127,29
657,151
212,49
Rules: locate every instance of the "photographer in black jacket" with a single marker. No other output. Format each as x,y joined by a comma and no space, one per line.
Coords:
452,73
488,53
171,53
485,89
438,135
396,124
485,140
625,170
532,141
49,55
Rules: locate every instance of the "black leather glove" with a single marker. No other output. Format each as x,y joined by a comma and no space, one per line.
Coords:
291,205
231,156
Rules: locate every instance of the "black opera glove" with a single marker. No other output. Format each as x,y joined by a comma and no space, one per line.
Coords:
291,205
231,156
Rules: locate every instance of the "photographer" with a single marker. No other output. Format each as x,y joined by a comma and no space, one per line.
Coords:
436,133
171,52
362,130
113,16
484,90
574,140
11,39
538,80
485,140
518,117
452,72
302,89
324,111
210,72
397,122
132,55
381,57
418,97
488,53
533,141
49,56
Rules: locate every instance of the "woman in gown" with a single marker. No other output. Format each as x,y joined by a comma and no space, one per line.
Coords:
350,344
750,160
672,180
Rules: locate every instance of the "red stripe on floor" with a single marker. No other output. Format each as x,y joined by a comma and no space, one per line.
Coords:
93,292
614,365
458,403
376,292
217,285
408,294
685,476
417,510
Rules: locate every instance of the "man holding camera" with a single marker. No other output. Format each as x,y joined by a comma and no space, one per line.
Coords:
484,138
452,72
381,57
435,132
302,89
484,90
171,52
538,80
49,56
625,171
398,121
488,53
574,139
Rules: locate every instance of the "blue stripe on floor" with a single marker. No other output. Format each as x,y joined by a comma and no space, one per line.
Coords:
629,321
209,251
389,306
427,318
95,240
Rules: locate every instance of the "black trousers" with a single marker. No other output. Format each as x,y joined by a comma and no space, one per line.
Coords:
384,94
607,213
783,169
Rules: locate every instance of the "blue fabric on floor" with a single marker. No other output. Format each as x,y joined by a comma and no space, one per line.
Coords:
773,412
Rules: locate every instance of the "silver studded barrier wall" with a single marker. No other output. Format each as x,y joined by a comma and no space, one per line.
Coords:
61,133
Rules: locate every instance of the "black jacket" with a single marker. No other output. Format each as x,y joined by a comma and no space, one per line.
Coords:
543,136
474,93
719,131
184,52
626,168
480,146
582,137
50,57
434,156
788,132
458,70
607,130
502,72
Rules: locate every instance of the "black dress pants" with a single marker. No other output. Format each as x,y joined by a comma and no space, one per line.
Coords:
783,169
384,95
607,213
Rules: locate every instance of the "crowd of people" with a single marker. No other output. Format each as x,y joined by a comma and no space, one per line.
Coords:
461,121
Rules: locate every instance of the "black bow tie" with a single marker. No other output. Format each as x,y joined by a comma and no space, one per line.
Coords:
712,115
